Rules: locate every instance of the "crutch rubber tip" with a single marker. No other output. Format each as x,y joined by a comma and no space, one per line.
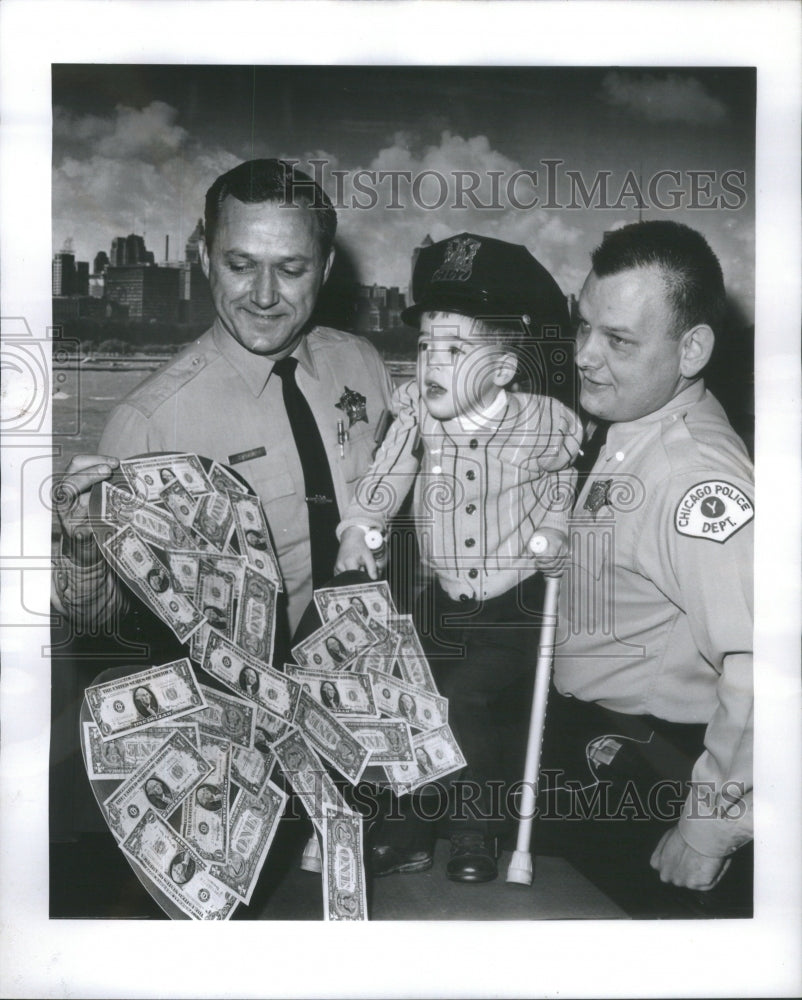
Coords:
311,860
520,870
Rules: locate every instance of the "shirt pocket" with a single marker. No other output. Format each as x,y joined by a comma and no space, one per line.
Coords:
270,477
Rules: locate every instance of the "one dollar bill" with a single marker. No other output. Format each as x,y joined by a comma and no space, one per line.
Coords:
161,783
256,615
119,508
117,758
149,476
144,698
421,709
250,678
436,755
177,871
307,774
150,578
336,644
337,744
253,536
389,740
340,693
254,821
204,818
371,600
344,886
226,717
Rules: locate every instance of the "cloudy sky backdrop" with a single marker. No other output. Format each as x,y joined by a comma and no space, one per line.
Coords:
136,147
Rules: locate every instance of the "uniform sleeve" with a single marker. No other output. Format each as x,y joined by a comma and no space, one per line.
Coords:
556,435
381,491
86,594
89,595
555,492
706,533
127,433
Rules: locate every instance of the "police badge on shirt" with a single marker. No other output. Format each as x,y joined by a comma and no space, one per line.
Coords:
598,496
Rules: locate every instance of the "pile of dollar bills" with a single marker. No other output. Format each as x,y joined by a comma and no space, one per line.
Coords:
195,809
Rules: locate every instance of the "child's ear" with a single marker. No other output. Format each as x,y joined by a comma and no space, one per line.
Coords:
505,369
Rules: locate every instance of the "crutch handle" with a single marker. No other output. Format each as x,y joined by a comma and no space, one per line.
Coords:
538,544
374,539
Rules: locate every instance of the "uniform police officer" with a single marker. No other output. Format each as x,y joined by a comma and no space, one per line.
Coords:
268,249
654,667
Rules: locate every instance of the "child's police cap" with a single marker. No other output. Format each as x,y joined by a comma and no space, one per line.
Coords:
482,277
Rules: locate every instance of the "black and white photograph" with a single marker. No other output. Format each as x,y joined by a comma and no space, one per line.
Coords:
513,333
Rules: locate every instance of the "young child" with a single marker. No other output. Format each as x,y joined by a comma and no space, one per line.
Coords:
490,468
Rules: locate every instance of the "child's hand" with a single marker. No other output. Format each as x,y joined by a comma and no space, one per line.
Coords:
355,554
549,559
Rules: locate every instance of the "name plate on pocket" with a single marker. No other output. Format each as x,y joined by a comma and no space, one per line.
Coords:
246,456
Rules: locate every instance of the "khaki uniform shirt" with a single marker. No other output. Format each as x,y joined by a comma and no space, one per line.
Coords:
218,399
657,607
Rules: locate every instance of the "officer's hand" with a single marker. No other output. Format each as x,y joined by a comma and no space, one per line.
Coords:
354,554
680,864
549,560
71,501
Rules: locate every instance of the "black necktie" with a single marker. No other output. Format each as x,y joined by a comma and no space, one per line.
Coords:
321,501
591,447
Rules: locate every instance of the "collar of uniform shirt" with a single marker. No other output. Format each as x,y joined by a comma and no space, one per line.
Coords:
620,434
484,418
255,369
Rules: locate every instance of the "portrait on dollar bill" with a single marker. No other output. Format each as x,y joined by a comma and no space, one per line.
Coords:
545,125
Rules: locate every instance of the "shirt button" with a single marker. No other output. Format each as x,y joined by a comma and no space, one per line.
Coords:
470,508
437,469
470,474
469,543
474,443
619,456
196,360
473,573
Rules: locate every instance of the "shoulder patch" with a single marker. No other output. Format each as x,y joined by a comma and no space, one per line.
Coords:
713,509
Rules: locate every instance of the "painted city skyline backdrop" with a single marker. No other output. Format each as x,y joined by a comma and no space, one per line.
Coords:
546,157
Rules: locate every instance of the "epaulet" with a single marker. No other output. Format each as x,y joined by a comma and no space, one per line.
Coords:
680,446
165,383
705,447
326,338
321,337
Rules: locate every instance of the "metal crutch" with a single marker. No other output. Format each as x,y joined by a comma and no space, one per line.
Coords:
520,870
